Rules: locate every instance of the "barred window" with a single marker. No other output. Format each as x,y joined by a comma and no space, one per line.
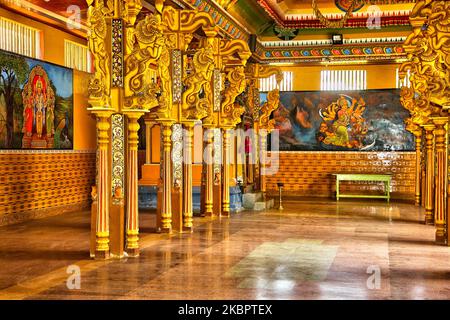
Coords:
405,82
19,38
77,56
268,84
334,80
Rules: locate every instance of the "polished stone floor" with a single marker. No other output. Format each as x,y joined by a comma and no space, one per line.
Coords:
314,249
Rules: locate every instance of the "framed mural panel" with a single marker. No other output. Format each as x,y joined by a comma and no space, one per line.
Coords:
36,104
369,120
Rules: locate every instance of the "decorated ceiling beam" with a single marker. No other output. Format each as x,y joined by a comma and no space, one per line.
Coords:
372,51
356,20
227,24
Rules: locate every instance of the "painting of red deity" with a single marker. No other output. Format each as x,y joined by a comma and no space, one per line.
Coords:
36,104
369,120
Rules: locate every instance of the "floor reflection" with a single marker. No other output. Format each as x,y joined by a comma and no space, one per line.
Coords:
314,249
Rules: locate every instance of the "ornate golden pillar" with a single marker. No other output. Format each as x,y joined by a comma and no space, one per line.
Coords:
166,204
427,49
254,73
187,176
103,189
266,125
191,96
132,186
230,116
429,174
441,177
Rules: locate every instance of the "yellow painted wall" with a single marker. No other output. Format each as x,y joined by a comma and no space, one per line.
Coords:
307,78
53,51
84,123
53,39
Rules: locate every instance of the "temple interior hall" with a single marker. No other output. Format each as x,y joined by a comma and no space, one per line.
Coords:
224,149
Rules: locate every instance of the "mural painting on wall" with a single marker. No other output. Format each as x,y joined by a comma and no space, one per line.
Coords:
36,104
371,120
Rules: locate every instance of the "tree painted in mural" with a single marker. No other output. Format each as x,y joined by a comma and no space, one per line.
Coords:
13,72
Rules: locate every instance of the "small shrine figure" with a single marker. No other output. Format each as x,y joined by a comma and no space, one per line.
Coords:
39,111
27,117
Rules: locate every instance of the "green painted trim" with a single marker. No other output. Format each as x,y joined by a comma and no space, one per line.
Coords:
386,178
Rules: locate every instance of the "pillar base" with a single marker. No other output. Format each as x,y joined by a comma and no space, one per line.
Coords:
429,218
225,214
165,230
417,201
188,229
133,253
101,255
440,234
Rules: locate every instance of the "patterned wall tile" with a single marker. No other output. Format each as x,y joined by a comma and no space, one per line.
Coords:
35,181
310,173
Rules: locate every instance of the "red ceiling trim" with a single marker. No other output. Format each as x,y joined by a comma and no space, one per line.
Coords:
300,23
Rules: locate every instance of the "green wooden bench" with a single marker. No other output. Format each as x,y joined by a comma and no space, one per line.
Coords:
385,178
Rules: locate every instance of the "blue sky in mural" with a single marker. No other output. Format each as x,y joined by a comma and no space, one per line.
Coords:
60,76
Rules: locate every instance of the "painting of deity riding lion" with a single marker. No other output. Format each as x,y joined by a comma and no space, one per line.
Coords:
369,120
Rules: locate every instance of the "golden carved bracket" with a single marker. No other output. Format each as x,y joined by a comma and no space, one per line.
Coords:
231,113
273,101
254,73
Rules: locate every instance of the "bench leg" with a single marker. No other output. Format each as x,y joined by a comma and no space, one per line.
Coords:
337,189
388,191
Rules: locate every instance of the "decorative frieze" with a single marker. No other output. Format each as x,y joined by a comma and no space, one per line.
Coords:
177,154
117,53
118,152
177,75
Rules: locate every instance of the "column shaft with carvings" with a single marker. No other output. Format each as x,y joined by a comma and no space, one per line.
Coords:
187,177
208,167
418,185
103,193
441,177
132,187
263,149
429,174
166,205
226,172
